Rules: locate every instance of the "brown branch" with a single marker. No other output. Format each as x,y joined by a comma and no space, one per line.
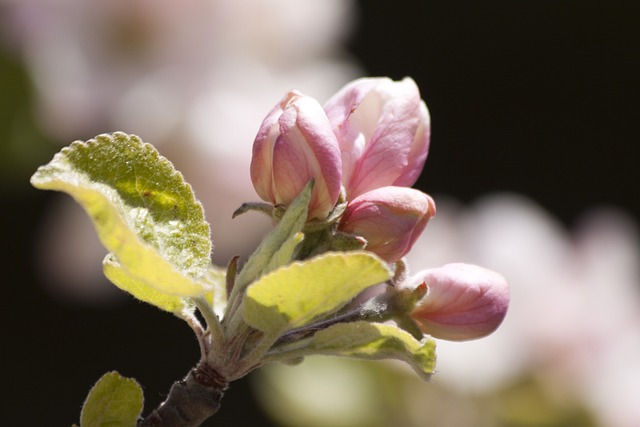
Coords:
190,401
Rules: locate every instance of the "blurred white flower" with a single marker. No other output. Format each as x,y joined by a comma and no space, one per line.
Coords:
144,62
574,317
194,77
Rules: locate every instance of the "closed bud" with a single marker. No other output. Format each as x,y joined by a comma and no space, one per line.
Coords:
463,302
390,218
294,144
383,130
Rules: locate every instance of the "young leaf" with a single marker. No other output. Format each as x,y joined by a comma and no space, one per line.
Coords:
141,289
295,294
375,341
113,401
143,211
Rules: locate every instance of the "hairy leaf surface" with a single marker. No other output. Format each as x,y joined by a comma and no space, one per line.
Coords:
141,289
113,401
143,211
293,295
374,341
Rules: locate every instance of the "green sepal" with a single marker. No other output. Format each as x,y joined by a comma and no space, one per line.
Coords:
265,208
375,341
341,241
113,401
315,225
286,252
403,302
298,293
396,303
143,210
264,258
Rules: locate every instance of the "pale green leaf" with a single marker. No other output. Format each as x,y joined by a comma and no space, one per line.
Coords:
140,289
292,296
375,341
143,211
113,401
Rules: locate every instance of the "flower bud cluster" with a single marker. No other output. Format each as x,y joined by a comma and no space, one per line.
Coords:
382,128
372,139
366,147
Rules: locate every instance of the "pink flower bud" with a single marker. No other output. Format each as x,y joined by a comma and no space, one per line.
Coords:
463,302
383,131
294,144
390,218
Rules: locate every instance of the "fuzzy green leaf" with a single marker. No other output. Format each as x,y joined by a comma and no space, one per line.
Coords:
374,341
143,211
113,401
298,293
141,289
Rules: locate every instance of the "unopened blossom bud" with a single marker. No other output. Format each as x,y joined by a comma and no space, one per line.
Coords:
383,130
463,302
390,218
294,144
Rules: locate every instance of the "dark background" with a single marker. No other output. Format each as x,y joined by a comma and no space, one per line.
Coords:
535,97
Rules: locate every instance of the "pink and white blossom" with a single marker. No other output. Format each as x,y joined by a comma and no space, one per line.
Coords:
463,301
295,143
383,130
390,218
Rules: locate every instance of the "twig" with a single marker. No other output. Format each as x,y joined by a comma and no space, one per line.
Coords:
190,401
